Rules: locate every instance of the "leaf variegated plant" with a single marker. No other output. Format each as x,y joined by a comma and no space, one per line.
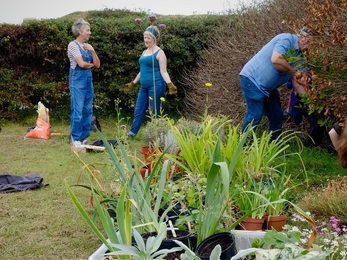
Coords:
280,245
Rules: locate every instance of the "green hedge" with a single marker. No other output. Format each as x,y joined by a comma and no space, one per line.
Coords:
35,64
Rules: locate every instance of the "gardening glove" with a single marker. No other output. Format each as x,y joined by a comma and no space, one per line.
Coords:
129,86
172,88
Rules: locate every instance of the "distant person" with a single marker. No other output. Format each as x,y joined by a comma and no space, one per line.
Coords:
297,109
82,58
153,78
264,74
338,137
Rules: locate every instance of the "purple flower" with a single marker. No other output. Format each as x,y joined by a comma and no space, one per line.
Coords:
123,127
152,17
138,20
162,26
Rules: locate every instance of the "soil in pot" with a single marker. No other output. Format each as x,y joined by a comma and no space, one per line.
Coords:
173,256
181,235
225,239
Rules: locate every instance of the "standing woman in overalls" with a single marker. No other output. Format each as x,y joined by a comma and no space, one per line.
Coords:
82,58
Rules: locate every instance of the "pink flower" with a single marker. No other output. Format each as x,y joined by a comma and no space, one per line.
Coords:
138,20
162,26
123,127
152,17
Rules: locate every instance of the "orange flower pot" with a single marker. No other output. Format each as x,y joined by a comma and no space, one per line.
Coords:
276,222
252,224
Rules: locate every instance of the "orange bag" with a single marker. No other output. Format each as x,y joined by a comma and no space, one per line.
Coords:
42,129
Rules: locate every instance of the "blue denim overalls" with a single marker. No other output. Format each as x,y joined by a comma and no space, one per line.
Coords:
81,92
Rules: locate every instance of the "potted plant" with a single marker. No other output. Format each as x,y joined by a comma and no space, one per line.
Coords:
224,239
249,202
213,202
147,196
146,249
264,165
106,193
274,190
198,141
144,198
263,172
124,219
153,132
170,143
190,255
153,139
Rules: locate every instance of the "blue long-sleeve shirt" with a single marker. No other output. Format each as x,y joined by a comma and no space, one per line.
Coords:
261,71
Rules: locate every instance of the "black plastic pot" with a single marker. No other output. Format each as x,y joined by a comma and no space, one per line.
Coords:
168,243
182,236
173,214
225,239
193,241
112,213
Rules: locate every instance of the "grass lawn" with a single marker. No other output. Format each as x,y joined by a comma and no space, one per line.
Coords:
44,223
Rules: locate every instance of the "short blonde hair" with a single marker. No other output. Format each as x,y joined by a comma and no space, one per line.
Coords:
78,25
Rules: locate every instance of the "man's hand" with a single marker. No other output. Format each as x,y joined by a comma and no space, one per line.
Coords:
298,74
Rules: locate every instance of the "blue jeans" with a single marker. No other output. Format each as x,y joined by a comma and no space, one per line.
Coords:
258,104
81,98
142,102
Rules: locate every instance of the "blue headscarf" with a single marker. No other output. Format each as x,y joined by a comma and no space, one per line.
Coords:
152,31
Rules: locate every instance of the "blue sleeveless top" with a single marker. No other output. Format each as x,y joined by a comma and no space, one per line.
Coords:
149,70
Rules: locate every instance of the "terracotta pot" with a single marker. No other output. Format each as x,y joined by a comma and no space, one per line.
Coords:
146,170
252,224
276,222
149,153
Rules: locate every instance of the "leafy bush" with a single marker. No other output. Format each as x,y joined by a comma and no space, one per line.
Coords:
235,43
35,65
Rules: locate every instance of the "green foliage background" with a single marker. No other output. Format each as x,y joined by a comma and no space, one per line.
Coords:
35,64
